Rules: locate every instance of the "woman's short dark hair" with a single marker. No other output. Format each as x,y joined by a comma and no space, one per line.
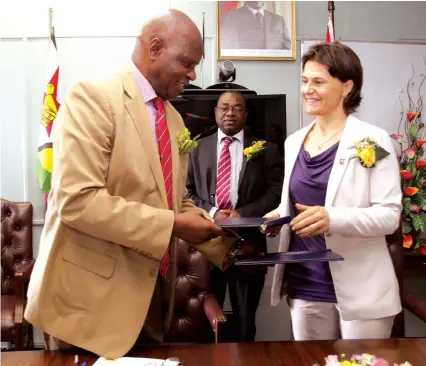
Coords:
342,63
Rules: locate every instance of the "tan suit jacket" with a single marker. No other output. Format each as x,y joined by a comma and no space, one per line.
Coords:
107,225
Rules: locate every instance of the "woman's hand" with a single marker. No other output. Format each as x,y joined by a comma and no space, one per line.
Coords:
272,231
312,221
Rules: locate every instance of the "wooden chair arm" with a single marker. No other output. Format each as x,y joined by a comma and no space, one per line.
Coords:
214,314
20,280
414,304
24,273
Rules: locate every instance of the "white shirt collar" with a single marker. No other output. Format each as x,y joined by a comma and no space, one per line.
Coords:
261,11
239,136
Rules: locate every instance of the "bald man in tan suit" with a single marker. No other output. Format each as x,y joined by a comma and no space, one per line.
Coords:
110,221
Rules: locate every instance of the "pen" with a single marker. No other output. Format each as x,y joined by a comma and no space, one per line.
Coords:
76,363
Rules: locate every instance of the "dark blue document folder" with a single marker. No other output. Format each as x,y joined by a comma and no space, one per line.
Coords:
247,222
288,257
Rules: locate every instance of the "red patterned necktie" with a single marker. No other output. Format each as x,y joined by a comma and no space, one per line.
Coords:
165,151
223,181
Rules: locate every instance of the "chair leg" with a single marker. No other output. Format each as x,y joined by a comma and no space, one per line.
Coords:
30,337
19,341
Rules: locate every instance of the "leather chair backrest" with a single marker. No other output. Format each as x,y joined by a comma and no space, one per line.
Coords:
16,241
189,322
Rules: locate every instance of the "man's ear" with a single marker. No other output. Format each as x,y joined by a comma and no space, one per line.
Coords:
156,46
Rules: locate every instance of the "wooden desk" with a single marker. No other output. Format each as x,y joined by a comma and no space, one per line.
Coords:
246,354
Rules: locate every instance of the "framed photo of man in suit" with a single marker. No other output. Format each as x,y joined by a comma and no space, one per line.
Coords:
256,30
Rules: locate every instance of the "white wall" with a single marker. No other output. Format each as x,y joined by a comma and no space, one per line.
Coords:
97,37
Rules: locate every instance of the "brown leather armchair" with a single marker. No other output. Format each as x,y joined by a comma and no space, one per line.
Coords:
198,318
410,301
16,266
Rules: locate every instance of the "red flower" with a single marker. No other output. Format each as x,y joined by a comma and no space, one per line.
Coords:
412,115
406,175
419,143
410,191
407,242
420,164
411,153
423,249
415,208
397,137
424,185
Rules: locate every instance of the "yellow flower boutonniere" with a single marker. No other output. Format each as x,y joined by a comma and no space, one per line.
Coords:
186,145
254,150
369,152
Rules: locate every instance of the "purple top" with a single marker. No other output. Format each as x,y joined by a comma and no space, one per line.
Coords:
308,186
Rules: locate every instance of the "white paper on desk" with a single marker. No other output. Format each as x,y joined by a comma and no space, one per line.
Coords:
133,361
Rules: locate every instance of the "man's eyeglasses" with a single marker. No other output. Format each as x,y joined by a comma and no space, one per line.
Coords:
236,110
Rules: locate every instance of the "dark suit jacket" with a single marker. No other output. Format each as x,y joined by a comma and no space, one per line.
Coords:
241,31
260,182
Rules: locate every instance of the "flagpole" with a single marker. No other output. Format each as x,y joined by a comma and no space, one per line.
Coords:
50,22
50,32
331,13
204,54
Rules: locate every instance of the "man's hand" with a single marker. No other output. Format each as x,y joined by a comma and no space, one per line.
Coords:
231,213
220,215
194,228
246,248
272,231
312,221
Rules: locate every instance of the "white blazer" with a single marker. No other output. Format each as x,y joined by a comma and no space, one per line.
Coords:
364,205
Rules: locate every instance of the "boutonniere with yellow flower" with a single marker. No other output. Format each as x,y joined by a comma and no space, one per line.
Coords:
254,150
186,145
369,152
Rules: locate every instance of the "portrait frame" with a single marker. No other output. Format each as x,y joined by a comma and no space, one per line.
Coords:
275,43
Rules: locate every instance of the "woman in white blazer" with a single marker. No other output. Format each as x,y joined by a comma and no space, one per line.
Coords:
345,204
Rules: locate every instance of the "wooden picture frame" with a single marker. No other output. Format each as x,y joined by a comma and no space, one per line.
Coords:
256,30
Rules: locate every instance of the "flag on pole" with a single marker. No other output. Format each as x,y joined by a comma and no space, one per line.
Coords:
330,25
50,108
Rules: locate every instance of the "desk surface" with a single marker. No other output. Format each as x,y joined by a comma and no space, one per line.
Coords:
246,354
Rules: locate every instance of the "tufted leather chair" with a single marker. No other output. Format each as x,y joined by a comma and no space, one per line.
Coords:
410,301
198,318
16,266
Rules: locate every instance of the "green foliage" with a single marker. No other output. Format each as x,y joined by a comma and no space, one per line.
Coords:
419,221
406,227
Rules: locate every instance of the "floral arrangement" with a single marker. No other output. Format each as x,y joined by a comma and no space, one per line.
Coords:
369,152
186,145
254,150
410,154
364,359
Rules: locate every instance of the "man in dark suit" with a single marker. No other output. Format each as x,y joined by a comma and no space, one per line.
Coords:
225,184
253,27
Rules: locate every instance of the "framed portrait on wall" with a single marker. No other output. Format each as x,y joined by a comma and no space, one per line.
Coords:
256,30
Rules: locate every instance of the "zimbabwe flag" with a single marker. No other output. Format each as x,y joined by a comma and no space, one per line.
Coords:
49,111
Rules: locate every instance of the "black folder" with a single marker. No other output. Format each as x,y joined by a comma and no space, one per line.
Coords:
288,257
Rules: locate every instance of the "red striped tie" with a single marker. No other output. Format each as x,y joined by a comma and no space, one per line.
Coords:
223,181
165,151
